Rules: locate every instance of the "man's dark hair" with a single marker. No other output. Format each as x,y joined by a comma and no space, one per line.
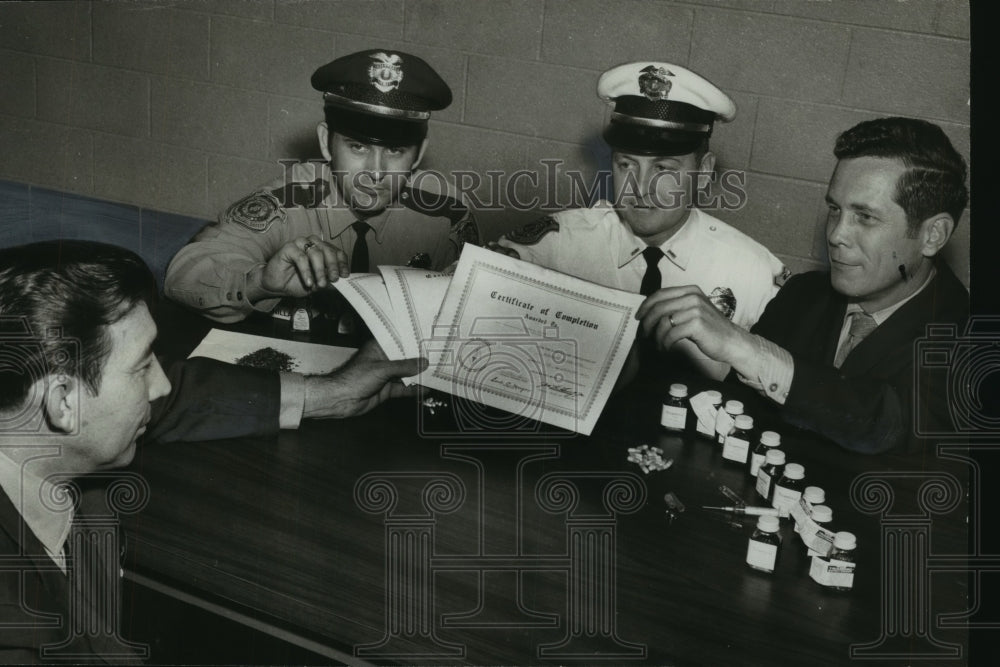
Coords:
57,299
934,181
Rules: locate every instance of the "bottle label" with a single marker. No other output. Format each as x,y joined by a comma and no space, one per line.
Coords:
817,569
816,537
832,572
761,555
799,511
736,449
300,320
785,498
756,461
724,424
763,483
673,417
706,411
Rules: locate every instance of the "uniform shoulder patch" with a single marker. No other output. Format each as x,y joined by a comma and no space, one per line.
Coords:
724,299
256,212
782,278
465,231
532,233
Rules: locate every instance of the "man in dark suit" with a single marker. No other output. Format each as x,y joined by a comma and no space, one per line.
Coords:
79,386
834,351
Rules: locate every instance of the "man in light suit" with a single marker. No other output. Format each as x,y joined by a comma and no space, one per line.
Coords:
834,351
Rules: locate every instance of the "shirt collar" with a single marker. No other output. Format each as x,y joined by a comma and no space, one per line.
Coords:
25,491
678,248
882,315
339,216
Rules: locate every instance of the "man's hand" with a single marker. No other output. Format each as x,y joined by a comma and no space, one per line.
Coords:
674,313
300,267
359,385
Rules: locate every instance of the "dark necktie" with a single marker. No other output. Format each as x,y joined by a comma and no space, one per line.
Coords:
359,256
651,281
862,324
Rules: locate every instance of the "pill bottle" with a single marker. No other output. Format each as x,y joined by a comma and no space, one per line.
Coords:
737,444
675,411
770,473
725,420
811,496
762,548
788,489
836,571
768,440
818,531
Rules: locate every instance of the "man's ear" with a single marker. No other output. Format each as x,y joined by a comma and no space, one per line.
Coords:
935,232
420,153
707,162
62,402
323,134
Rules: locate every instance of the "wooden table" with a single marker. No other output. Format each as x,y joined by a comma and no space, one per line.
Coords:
365,541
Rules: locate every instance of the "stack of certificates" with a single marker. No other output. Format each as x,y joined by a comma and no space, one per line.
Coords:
503,332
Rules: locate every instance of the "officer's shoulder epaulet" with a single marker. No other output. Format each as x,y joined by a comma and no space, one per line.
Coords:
435,204
257,211
532,233
307,194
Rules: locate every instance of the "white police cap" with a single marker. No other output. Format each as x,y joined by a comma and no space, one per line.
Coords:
660,108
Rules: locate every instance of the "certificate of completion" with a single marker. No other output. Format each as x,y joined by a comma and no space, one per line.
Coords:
531,341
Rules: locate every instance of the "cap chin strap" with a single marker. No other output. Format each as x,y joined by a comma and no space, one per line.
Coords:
333,99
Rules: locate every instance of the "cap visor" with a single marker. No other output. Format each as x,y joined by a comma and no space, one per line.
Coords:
373,129
642,140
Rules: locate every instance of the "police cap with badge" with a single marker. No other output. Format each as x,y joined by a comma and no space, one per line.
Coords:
380,96
661,109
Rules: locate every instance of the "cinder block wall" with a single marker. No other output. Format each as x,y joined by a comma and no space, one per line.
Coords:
185,105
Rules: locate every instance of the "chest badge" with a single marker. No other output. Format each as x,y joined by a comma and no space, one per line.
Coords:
386,71
724,299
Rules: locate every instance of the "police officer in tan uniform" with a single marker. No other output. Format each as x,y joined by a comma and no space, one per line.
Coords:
365,207
651,236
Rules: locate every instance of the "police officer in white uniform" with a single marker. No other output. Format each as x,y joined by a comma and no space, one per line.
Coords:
651,237
367,206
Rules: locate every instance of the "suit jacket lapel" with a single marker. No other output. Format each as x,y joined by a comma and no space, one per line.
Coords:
895,336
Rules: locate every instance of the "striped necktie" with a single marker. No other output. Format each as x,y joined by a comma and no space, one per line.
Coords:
862,324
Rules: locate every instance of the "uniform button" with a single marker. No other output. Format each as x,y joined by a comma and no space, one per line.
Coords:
201,301
712,227
229,296
774,386
239,296
404,196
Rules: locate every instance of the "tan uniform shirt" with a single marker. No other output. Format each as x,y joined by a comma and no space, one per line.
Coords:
424,228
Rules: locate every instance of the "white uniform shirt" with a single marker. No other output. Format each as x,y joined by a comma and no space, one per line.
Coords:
736,272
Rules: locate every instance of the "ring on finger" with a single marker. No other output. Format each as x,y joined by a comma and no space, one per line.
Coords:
670,318
309,244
